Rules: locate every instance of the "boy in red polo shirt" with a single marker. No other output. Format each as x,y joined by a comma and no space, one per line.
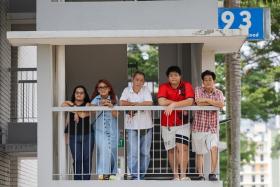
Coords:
175,131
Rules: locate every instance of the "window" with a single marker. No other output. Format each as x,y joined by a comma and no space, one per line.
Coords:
261,157
262,167
261,147
262,178
253,178
25,109
253,167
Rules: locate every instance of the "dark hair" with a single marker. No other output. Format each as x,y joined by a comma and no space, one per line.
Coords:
208,72
111,93
173,69
138,73
86,99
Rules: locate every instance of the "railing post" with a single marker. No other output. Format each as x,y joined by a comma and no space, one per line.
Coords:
218,162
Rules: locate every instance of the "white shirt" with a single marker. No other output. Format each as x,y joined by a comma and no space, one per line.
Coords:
141,119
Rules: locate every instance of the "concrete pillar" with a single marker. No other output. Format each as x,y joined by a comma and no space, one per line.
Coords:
167,57
14,84
45,121
60,97
175,55
196,64
208,60
187,56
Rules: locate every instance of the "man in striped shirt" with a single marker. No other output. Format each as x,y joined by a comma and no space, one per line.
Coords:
205,125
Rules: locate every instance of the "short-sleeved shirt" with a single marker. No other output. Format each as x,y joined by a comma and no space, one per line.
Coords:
182,92
206,121
141,119
82,127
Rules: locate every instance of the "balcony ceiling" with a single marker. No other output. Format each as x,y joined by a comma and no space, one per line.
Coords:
220,41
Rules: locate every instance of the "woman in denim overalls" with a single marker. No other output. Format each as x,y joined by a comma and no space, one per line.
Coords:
106,130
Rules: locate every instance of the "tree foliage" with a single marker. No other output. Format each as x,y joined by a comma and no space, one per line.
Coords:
143,58
260,72
275,150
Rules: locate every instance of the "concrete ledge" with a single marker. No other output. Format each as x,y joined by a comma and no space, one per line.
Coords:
228,40
147,183
20,148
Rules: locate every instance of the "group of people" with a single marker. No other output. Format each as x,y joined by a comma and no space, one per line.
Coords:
83,133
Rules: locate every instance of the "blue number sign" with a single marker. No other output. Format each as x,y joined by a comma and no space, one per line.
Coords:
243,18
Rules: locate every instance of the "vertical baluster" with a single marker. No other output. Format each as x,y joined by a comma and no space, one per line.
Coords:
118,140
68,145
83,136
160,134
124,137
75,150
153,121
138,143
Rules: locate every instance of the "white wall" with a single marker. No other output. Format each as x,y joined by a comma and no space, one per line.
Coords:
27,172
87,64
118,15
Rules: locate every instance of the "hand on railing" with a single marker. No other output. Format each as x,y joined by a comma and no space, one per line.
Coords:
67,103
169,109
76,118
66,137
108,102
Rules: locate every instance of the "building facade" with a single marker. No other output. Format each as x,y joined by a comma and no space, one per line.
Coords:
79,42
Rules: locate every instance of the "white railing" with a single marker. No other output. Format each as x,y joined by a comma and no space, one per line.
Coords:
25,107
65,158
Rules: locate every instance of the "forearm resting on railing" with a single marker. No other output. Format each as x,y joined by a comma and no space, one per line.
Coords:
144,103
219,104
207,102
164,102
186,102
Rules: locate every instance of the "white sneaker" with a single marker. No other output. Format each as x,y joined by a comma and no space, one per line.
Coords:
185,179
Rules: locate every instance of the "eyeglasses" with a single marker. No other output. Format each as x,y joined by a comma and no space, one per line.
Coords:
102,87
80,93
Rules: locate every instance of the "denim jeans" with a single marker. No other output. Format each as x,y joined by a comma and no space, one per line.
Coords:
133,156
81,147
106,138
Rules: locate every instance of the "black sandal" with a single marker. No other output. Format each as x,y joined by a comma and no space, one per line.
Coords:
212,177
201,178
106,177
